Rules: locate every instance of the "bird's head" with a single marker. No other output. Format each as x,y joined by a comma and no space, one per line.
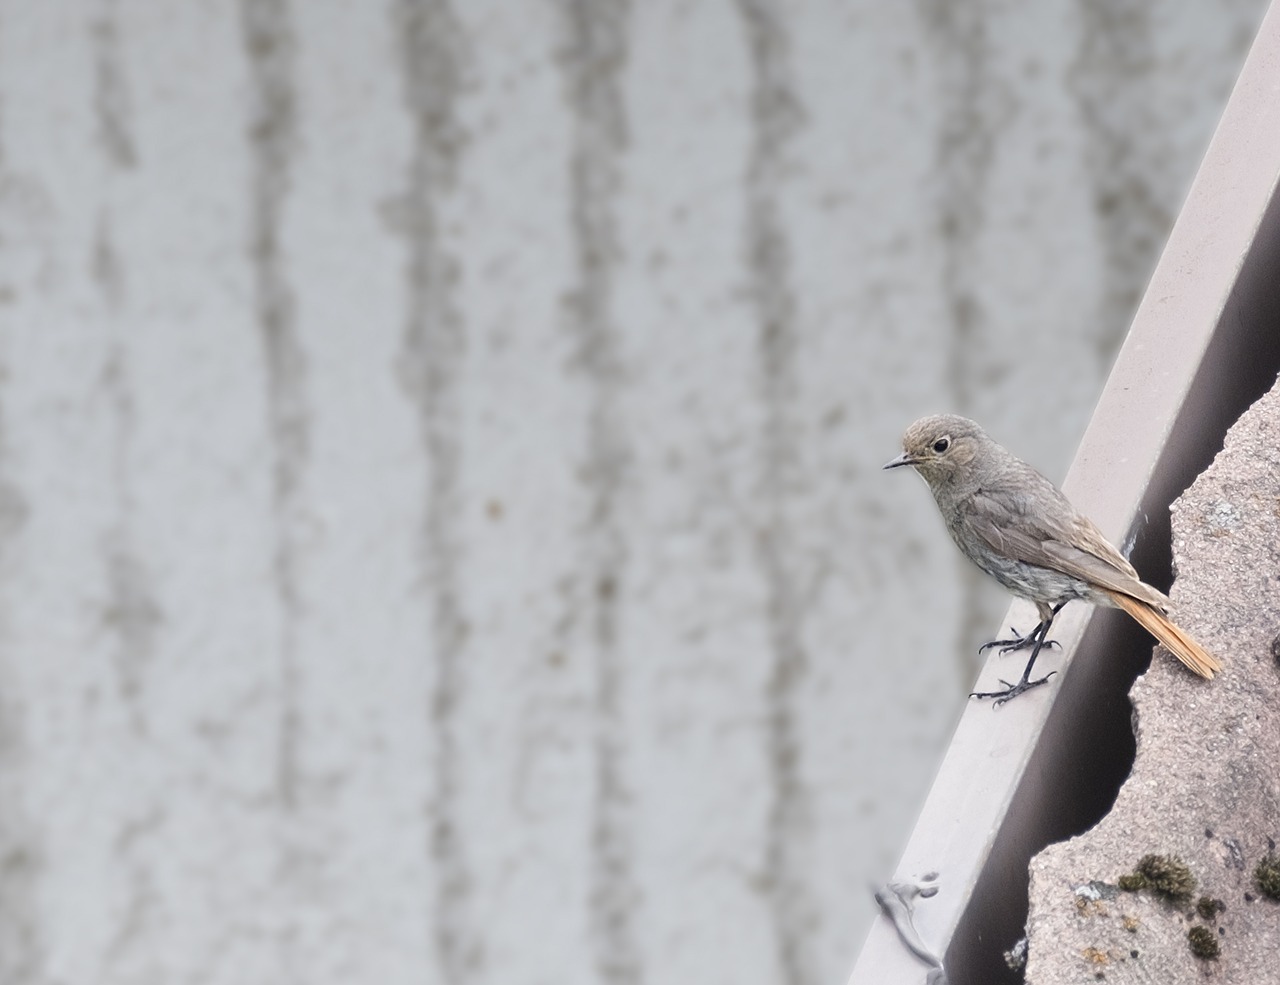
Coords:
940,447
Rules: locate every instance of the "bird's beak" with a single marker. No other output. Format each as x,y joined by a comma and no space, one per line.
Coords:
903,459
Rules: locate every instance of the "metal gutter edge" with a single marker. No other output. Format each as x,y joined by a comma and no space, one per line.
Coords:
1204,344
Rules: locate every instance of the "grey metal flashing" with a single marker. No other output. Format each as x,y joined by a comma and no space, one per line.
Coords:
1204,344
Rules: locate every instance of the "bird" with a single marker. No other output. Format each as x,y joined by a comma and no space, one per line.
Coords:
1020,529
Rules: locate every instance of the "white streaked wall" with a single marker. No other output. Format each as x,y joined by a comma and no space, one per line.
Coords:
441,529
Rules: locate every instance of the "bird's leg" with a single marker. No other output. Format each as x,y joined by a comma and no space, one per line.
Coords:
1020,642
1037,636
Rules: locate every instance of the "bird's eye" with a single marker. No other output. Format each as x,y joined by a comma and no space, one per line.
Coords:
941,445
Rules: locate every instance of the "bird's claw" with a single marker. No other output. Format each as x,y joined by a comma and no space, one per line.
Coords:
1019,642
1011,691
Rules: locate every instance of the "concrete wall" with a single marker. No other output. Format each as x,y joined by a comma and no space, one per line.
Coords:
441,529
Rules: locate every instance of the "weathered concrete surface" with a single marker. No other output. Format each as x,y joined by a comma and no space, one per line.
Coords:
1206,782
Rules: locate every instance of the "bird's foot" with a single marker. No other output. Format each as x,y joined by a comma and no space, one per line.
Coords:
1011,691
1019,642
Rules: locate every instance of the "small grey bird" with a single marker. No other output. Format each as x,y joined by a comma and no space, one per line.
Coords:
1015,525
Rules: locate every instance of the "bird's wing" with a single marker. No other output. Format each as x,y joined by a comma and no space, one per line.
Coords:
1021,527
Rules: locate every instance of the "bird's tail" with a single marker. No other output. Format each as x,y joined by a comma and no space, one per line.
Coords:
1177,640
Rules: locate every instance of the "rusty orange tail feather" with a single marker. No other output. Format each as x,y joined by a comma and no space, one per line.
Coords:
1177,640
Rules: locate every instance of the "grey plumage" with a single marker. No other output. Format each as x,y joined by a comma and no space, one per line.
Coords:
1015,525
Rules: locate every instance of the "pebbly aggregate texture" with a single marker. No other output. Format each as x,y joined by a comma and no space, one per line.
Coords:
1205,786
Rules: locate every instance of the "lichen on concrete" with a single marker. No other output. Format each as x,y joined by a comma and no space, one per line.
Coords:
1205,786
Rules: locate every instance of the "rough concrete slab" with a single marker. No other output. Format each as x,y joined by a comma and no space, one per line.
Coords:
1206,782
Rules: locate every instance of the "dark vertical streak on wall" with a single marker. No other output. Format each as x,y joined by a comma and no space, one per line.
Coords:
142,908
111,101
269,45
592,57
132,614
1112,82
22,956
959,50
21,948
132,611
776,117
431,363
